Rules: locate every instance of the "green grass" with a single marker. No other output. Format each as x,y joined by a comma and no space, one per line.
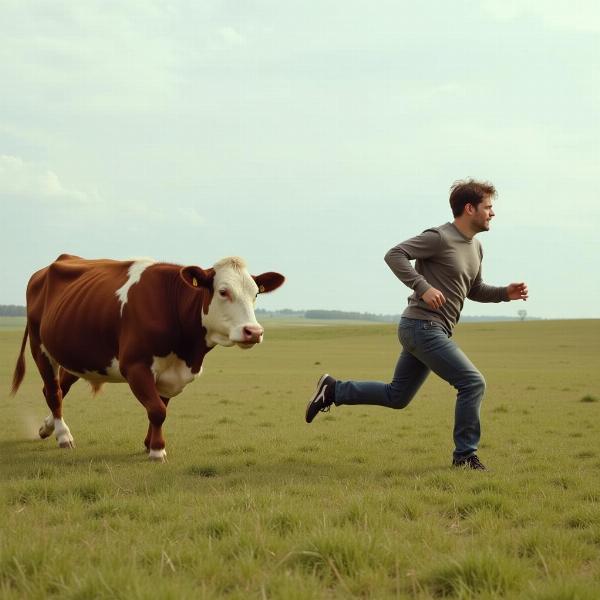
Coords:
254,503
12,323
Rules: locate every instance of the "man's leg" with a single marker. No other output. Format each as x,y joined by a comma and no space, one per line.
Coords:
435,349
409,375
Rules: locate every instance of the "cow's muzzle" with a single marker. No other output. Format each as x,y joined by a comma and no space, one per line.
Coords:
252,334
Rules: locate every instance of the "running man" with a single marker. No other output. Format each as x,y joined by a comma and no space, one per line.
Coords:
447,270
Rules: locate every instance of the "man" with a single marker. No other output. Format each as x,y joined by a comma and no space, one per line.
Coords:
447,270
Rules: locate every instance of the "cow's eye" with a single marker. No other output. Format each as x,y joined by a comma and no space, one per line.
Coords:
223,293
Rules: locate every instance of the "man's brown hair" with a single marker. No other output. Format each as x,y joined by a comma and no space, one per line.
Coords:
469,191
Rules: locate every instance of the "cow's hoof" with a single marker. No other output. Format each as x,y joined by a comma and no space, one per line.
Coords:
44,433
69,445
158,455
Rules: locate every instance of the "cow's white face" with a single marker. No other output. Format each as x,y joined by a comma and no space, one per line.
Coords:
230,319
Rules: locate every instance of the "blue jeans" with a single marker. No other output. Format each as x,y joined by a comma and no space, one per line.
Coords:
426,347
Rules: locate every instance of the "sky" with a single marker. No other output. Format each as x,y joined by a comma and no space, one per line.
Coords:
307,137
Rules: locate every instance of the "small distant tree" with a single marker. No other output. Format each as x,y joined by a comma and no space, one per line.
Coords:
522,314
12,310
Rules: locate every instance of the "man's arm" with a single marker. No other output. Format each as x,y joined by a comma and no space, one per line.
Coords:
481,292
398,259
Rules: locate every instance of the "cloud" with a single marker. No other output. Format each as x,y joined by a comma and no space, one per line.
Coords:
41,188
25,180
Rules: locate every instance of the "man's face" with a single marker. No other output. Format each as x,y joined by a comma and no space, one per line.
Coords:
482,215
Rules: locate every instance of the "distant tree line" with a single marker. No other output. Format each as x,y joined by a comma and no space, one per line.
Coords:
12,310
284,312
351,316
326,314
364,316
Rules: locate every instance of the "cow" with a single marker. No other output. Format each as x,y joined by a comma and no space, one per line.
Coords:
147,323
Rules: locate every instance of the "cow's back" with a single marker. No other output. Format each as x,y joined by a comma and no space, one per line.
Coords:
73,306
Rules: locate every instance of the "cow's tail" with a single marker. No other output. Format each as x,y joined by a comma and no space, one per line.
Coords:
20,366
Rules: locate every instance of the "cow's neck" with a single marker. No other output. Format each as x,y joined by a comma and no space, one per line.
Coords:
192,305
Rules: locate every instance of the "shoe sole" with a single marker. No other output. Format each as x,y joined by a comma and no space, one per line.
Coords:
465,465
315,396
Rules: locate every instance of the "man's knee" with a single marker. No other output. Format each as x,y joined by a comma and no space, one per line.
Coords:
475,384
398,398
471,385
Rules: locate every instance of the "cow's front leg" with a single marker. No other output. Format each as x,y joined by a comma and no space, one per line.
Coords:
141,382
149,434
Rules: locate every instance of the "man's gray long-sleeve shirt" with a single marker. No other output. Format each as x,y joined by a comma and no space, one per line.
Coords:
447,261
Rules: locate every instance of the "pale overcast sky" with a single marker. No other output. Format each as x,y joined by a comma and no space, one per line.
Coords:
308,137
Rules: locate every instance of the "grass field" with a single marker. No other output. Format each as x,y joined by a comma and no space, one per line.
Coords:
255,503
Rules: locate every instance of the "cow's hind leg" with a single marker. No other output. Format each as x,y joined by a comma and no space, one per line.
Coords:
47,428
49,369
66,380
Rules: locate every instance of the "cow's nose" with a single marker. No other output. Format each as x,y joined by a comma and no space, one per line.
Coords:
252,333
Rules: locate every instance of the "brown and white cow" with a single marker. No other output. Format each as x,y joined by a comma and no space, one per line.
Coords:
143,322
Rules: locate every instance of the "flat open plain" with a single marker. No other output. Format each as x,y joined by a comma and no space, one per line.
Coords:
255,503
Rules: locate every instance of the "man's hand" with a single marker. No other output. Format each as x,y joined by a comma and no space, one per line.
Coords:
433,298
517,291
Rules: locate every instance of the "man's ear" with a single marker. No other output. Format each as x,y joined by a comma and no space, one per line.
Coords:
197,278
267,282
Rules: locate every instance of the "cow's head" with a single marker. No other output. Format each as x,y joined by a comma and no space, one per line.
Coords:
228,308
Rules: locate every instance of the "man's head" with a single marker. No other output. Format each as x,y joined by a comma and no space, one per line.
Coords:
471,203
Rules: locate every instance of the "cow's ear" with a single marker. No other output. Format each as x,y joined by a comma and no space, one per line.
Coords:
267,282
197,277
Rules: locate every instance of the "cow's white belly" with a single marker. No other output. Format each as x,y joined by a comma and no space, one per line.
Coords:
113,374
171,374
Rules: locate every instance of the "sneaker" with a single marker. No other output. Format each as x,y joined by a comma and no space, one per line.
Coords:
471,462
322,399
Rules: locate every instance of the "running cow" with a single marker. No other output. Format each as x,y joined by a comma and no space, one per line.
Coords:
146,323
